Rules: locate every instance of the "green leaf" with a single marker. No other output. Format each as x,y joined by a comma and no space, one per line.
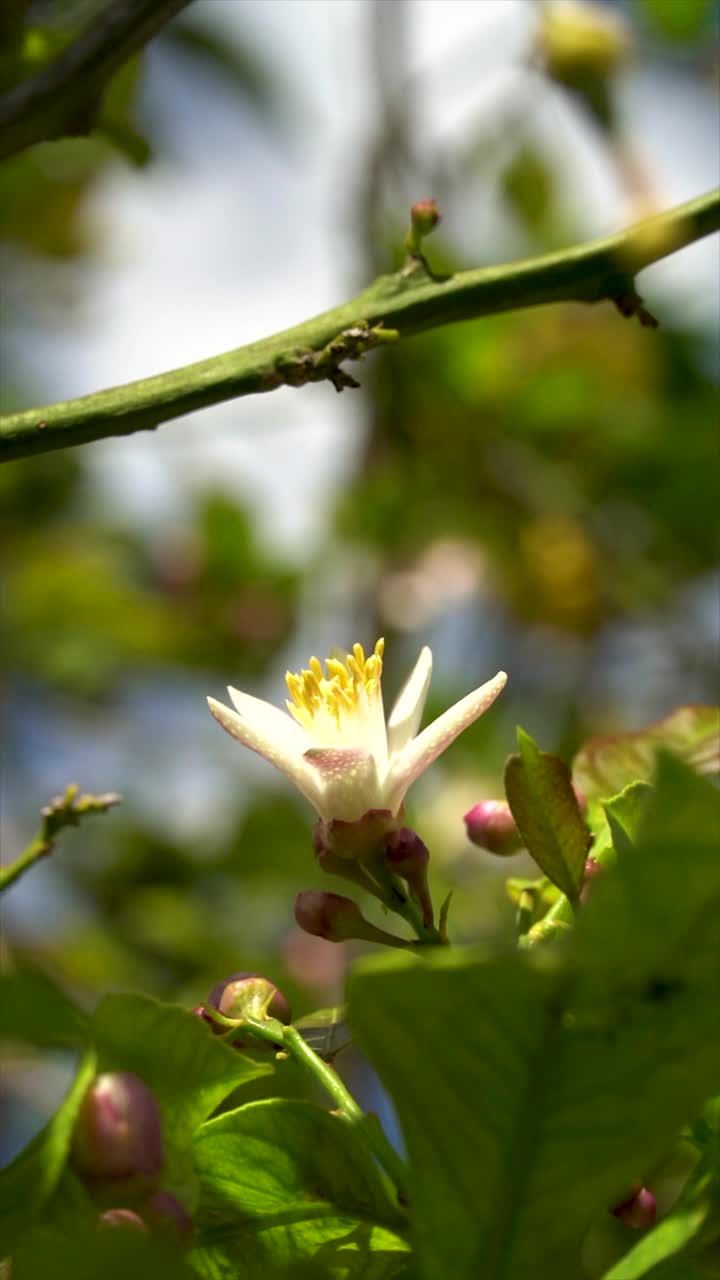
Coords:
547,814
282,1181
28,1183
624,814
189,1070
34,1009
604,766
533,1089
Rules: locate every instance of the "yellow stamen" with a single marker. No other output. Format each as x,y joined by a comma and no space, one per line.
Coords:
337,688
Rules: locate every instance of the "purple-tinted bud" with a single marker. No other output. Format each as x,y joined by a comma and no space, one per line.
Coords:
164,1212
121,1218
639,1210
408,857
248,995
491,826
330,916
118,1130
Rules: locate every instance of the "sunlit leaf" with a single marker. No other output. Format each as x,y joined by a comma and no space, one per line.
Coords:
547,814
285,1181
533,1090
604,766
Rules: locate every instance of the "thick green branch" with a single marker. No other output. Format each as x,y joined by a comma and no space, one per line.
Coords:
63,98
407,303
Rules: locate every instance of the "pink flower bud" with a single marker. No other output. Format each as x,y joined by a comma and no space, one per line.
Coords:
164,1212
118,1130
121,1218
330,916
491,826
639,1210
424,217
248,995
408,857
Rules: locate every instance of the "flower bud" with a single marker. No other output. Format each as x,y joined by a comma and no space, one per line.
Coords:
424,217
165,1213
118,1130
639,1210
121,1218
408,857
491,826
582,45
248,995
330,916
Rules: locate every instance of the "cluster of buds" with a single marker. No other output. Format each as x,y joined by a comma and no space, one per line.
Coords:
118,1150
159,1214
386,860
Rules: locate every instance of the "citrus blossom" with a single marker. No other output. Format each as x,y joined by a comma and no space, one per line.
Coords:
336,745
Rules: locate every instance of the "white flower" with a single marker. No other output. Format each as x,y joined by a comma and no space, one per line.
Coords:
337,748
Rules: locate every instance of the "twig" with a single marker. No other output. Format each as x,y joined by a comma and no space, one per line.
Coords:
367,1125
64,811
407,303
64,97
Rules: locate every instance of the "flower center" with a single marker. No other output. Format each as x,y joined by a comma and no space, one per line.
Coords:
343,689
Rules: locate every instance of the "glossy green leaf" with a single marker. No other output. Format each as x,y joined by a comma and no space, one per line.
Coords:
284,1181
174,1052
28,1183
604,766
189,1070
547,814
534,1088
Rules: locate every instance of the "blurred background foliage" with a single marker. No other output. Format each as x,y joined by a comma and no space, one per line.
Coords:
536,491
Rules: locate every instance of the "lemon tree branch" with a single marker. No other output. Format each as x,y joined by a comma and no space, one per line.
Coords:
408,302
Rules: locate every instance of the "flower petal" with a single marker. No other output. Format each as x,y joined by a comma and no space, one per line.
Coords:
274,743
421,752
348,779
405,717
264,713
